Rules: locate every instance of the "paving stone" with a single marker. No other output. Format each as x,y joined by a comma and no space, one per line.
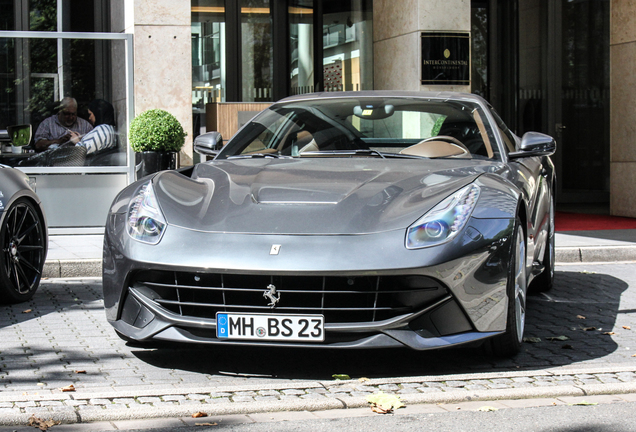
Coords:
293,392
389,387
429,389
51,403
242,399
148,400
173,398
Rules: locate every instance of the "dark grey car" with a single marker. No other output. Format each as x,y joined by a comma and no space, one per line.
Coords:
23,237
340,220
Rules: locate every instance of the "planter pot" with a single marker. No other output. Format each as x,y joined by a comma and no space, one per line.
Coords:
16,149
150,162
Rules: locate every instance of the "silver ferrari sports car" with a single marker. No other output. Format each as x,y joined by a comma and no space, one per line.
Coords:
340,220
23,237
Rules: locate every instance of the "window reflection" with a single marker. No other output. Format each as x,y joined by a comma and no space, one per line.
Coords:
35,75
347,45
256,50
301,41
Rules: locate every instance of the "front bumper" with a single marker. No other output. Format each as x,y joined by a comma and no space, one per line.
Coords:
459,296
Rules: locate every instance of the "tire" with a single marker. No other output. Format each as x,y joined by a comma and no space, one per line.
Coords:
23,242
545,280
509,343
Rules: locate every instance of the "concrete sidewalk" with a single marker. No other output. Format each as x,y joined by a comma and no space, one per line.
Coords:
80,255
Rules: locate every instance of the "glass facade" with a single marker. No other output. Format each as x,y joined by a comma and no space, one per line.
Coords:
301,46
327,45
256,51
51,52
347,41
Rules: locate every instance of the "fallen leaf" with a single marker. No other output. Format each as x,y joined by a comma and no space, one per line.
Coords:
341,377
580,317
199,415
27,311
487,409
41,423
567,346
609,333
532,339
589,328
68,388
383,403
363,379
627,327
558,338
80,371
583,403
378,410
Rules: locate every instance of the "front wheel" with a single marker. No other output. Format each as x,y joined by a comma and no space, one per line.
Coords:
509,343
23,242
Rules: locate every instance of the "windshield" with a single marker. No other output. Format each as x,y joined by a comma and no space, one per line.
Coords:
367,127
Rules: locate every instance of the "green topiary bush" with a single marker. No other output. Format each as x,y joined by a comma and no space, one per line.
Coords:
156,130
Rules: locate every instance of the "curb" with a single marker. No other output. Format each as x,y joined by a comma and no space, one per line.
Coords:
71,407
595,254
70,415
72,268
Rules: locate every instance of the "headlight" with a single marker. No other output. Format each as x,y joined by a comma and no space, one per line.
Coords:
145,221
444,221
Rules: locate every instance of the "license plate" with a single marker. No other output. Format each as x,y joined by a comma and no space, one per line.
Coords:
270,327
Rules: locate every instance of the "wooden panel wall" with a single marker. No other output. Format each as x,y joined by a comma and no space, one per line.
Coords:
223,116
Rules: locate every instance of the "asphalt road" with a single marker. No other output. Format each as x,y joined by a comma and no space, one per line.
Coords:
619,417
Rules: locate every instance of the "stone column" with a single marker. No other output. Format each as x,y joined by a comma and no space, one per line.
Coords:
623,108
163,60
397,26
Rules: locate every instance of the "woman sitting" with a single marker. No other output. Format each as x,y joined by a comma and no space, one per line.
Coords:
103,135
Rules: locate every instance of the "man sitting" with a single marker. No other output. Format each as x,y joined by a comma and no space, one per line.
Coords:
61,127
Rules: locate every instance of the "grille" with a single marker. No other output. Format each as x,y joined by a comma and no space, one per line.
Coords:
340,299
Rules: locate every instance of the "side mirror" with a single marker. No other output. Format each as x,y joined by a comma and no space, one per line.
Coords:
208,144
534,144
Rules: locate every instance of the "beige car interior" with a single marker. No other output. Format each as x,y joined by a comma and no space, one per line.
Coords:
436,148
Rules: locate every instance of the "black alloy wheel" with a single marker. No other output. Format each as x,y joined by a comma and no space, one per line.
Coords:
23,241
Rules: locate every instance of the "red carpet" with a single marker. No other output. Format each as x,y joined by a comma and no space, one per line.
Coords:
565,221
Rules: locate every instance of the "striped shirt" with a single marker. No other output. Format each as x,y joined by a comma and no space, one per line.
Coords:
101,138
51,128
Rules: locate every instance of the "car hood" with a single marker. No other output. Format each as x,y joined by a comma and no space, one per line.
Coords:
310,196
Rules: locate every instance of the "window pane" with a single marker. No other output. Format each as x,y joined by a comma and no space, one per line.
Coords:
256,50
35,74
348,45
301,40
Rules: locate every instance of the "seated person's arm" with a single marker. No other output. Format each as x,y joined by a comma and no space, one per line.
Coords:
42,144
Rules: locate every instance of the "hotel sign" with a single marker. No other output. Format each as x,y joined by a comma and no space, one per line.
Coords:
445,58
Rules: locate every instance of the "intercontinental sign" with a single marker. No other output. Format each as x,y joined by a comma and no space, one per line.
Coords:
445,58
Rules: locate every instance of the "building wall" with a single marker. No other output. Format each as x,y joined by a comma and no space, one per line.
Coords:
396,39
622,112
163,59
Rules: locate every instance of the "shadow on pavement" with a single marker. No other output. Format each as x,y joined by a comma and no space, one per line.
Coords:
582,307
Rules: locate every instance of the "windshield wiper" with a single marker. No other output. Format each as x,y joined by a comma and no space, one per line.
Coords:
259,155
344,152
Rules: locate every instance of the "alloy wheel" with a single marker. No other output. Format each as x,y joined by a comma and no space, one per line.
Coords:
23,247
